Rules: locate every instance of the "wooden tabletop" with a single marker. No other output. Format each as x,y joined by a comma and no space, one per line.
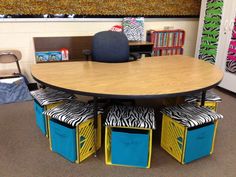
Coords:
146,78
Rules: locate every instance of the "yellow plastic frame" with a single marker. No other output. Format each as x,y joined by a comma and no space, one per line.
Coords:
108,147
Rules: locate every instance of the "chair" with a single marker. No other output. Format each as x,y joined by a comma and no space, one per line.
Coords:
110,47
10,56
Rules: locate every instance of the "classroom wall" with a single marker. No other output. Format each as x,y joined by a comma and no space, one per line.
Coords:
19,34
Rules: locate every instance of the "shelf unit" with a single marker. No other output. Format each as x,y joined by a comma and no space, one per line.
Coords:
167,42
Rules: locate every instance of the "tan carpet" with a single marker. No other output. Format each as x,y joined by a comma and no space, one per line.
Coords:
24,152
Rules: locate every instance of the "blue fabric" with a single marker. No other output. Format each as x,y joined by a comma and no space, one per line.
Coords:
14,92
130,147
199,143
63,139
40,118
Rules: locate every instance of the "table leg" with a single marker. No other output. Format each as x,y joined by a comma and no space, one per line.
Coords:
95,113
203,98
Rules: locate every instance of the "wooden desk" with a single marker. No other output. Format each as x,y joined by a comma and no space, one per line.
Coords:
141,47
76,45
157,77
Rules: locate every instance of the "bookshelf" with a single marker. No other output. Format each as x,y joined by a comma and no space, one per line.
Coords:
167,42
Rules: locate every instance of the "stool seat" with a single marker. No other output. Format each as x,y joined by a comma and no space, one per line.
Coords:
72,112
72,130
48,96
191,115
131,116
210,96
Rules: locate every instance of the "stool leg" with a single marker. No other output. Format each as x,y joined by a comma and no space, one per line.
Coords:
95,109
203,98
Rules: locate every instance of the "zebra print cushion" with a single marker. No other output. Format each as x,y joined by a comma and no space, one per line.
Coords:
191,115
48,96
129,116
71,112
210,96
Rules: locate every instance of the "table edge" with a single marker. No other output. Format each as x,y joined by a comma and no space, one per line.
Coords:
127,96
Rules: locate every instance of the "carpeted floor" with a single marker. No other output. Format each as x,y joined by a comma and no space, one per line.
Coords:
24,152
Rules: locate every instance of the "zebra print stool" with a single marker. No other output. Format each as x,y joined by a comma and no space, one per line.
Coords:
45,99
71,130
128,136
188,131
212,99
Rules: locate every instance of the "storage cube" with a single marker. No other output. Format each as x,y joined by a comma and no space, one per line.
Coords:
45,99
63,139
212,105
128,136
184,140
185,144
128,147
211,100
41,120
74,143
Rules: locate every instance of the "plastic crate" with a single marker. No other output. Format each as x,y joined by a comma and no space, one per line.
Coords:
41,121
212,105
187,144
74,143
128,146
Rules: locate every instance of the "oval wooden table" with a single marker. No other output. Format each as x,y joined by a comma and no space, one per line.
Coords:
152,77
146,78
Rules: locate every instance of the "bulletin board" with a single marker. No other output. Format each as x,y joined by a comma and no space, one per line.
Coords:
156,8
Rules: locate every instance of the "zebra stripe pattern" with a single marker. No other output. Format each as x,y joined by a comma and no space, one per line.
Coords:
130,116
191,115
71,112
231,58
231,66
211,30
133,28
48,96
210,96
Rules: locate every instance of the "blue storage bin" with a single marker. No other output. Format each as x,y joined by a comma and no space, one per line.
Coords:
40,118
63,139
130,147
199,142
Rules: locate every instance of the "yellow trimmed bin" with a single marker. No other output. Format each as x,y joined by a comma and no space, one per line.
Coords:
41,120
128,136
212,105
71,129
45,99
188,131
211,100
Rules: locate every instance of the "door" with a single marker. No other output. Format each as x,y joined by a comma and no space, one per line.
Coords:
226,58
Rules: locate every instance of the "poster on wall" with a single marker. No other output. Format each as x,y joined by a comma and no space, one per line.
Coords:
211,30
231,57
